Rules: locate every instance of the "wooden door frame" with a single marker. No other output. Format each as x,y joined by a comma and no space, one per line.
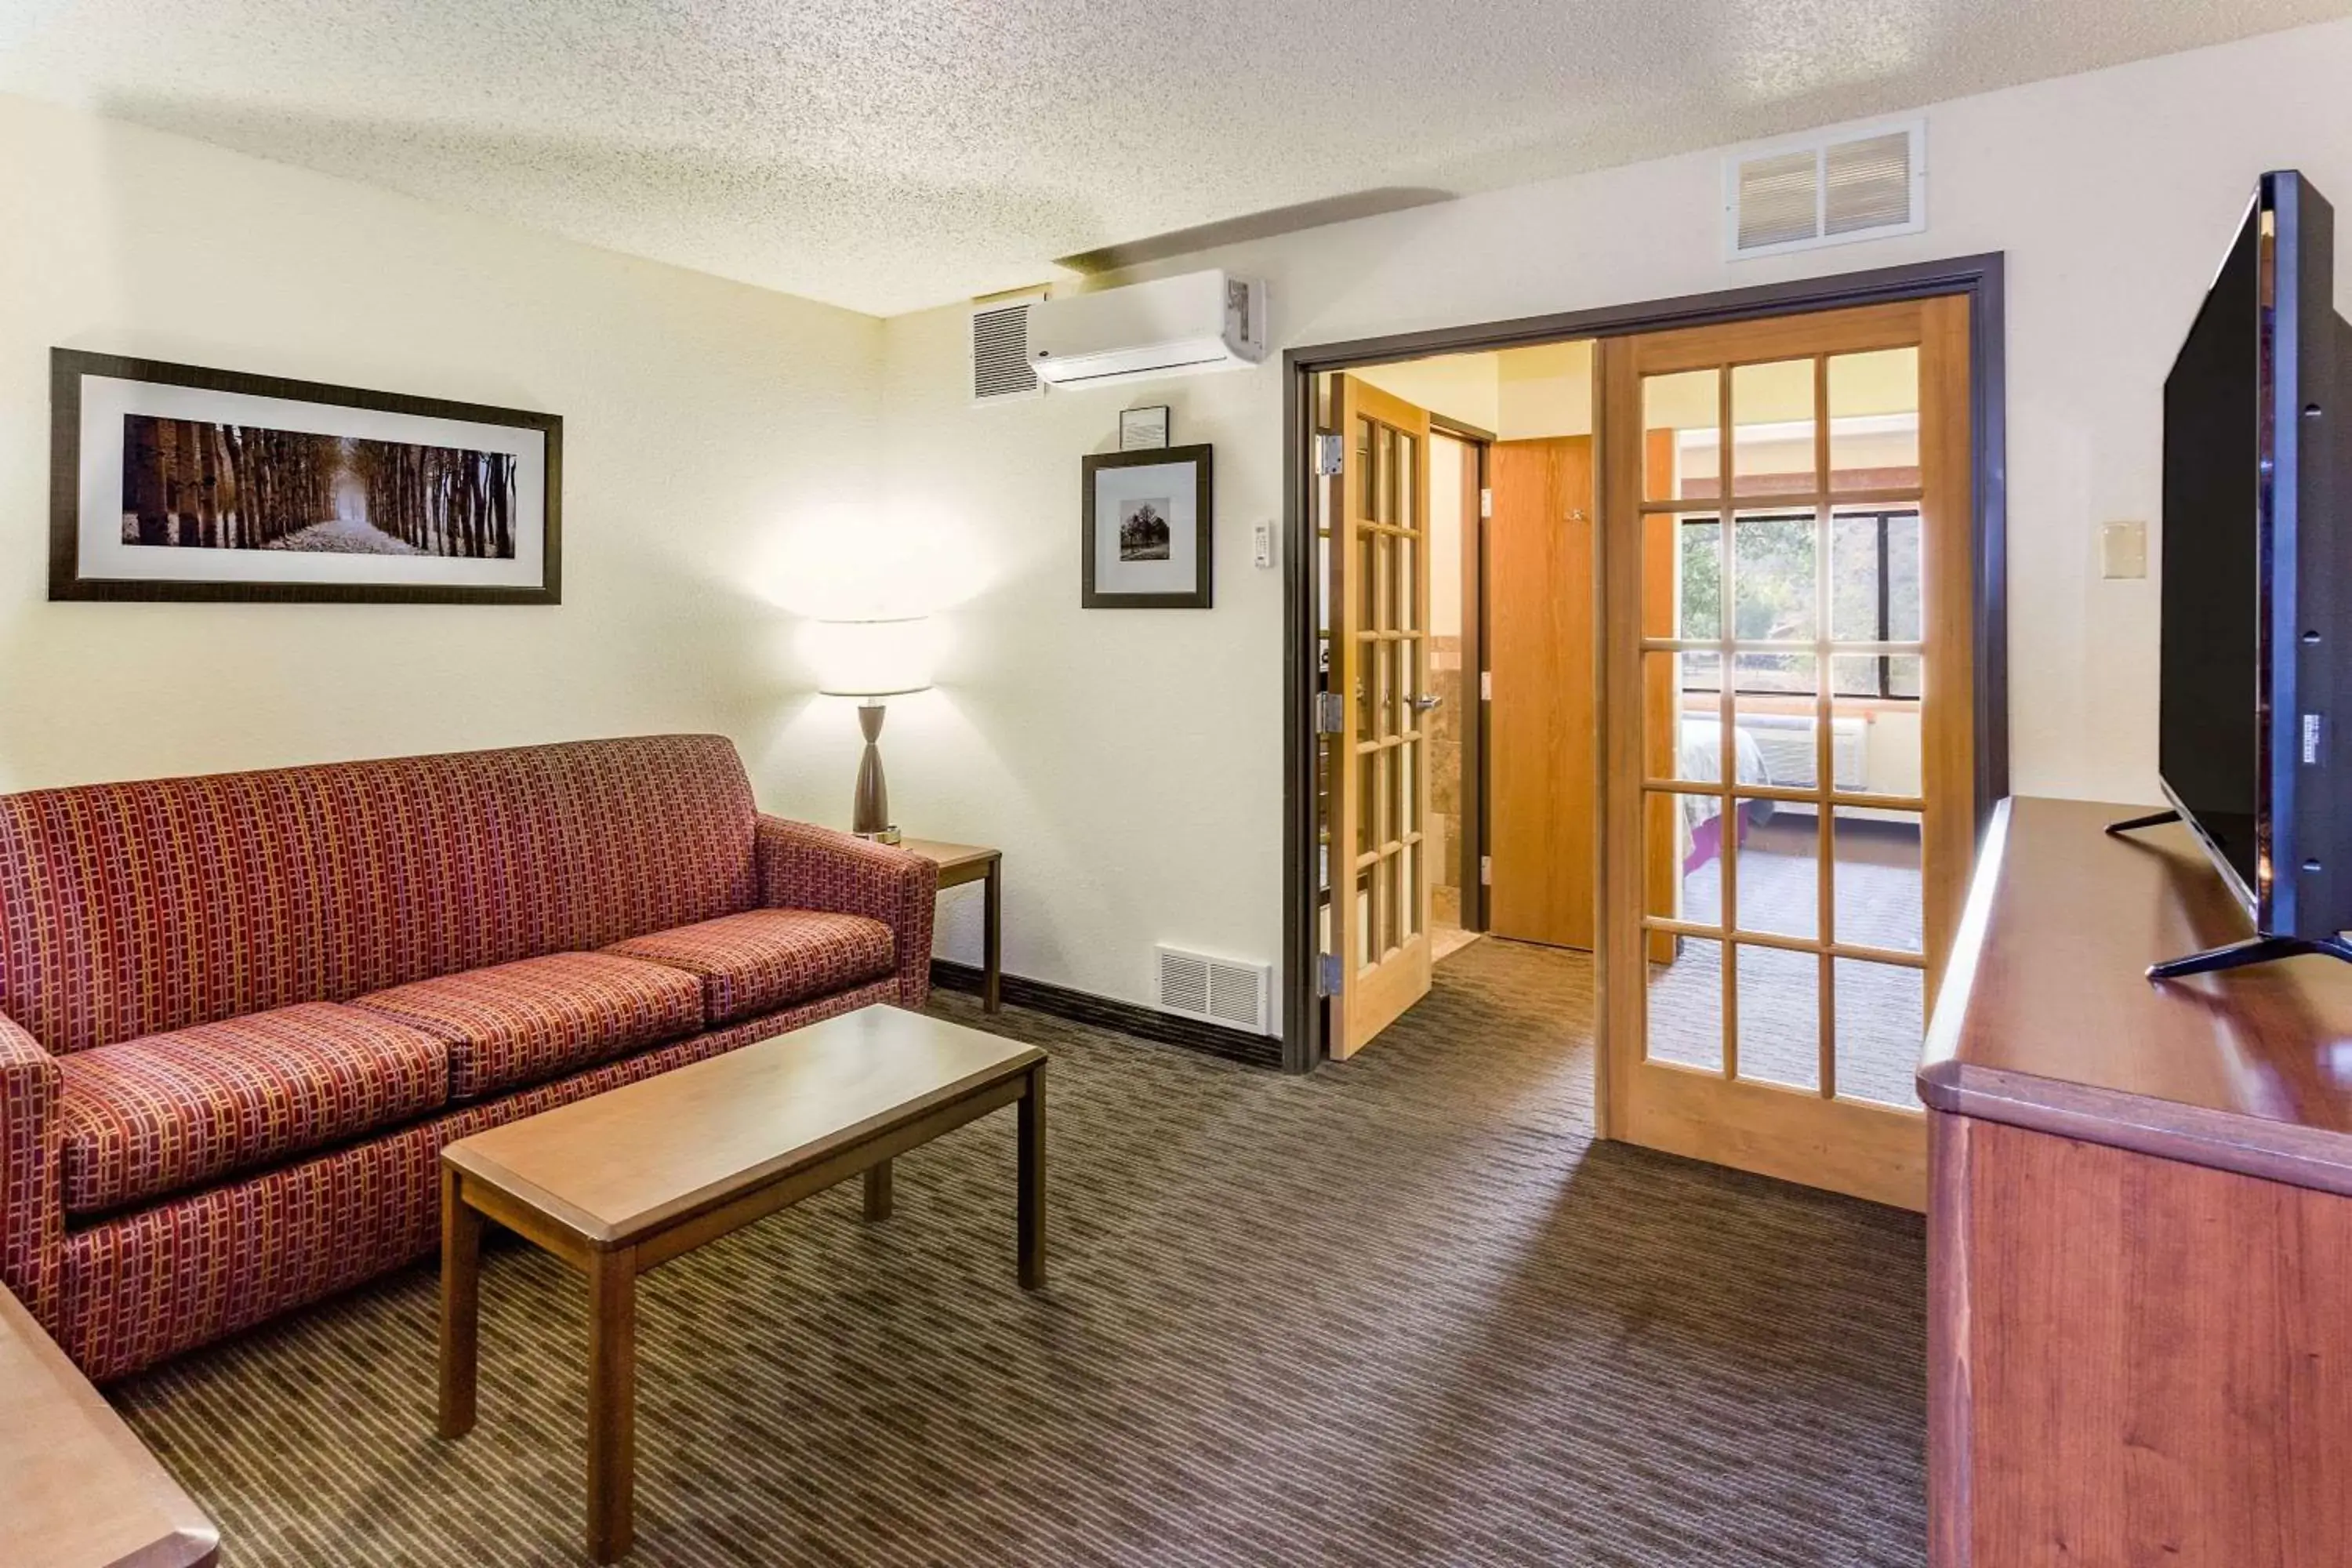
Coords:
1978,278
1472,721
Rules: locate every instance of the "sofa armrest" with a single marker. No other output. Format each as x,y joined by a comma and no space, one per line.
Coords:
31,1200
803,866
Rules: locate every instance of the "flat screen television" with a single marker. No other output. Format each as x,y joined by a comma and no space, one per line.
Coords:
2256,663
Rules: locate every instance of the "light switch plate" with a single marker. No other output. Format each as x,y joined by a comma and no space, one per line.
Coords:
1262,543
2123,550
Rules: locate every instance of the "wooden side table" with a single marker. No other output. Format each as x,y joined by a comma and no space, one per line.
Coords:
962,863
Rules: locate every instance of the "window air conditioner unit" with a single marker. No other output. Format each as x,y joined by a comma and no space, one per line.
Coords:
1170,326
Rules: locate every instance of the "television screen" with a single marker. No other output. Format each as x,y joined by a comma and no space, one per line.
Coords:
2209,736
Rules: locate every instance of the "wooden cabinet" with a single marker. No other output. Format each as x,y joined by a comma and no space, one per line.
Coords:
2140,1221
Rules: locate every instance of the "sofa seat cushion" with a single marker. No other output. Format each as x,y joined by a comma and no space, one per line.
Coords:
515,1023
766,959
163,1113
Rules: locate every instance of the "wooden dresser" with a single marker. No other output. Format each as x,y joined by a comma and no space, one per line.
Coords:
2139,1220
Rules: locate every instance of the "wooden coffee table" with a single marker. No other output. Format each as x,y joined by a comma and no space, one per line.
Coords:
628,1180
77,1490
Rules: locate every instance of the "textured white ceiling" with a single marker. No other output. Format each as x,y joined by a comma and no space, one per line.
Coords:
887,154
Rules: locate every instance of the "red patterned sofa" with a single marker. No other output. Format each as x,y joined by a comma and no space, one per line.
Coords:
240,1016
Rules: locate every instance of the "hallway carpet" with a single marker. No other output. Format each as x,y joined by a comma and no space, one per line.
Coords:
1402,1312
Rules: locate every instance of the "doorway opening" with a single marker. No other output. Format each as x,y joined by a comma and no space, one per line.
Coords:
1705,679
1457,818
1454,667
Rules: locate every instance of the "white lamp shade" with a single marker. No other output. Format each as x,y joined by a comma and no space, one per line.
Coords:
872,659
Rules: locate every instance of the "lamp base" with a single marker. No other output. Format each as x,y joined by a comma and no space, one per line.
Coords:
869,811
889,835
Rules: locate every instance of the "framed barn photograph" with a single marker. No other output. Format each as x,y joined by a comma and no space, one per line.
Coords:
1147,529
169,481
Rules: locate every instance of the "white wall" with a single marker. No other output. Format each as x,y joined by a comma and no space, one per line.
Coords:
1130,762
704,422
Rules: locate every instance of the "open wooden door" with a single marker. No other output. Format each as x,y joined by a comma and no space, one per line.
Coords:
1789,815
1379,592
1540,605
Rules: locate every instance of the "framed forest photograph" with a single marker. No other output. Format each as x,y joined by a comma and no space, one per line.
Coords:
171,481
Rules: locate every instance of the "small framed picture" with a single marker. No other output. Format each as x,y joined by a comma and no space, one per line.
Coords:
1143,428
1147,529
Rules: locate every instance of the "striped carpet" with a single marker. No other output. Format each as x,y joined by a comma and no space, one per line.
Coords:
1399,1312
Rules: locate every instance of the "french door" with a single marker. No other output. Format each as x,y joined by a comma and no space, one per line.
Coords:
1377,853
1788,812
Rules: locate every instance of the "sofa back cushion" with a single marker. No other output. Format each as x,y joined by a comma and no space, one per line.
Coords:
131,909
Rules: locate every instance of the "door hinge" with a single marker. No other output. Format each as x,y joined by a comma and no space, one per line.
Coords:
1326,975
1485,501
1485,870
1485,686
1330,713
1330,454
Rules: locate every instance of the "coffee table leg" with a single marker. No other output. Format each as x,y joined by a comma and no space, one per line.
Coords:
611,1401
461,1305
878,1191
1033,1181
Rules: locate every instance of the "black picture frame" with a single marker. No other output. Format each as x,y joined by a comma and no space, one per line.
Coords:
1144,421
1094,596
67,369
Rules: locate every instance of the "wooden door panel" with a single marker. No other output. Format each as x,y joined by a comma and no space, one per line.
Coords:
1868,327
1540,731
1380,875
1734,632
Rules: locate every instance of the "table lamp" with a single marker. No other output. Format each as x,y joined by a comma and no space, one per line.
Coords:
871,659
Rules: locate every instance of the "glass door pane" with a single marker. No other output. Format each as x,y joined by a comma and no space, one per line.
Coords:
1874,420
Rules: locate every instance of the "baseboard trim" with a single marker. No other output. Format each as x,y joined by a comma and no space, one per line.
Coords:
1085,1007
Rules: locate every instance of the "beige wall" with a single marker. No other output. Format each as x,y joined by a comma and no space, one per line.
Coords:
1544,390
704,421
1446,461
1131,763
1518,395
1462,387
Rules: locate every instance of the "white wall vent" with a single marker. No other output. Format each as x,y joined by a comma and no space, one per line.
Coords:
1218,990
1826,190
1000,351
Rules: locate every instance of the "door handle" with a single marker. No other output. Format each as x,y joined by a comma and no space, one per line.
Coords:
1427,700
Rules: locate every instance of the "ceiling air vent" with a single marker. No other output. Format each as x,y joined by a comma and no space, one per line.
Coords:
1826,190
1000,351
1219,990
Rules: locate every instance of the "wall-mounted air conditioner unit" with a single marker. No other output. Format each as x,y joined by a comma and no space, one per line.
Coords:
1170,326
